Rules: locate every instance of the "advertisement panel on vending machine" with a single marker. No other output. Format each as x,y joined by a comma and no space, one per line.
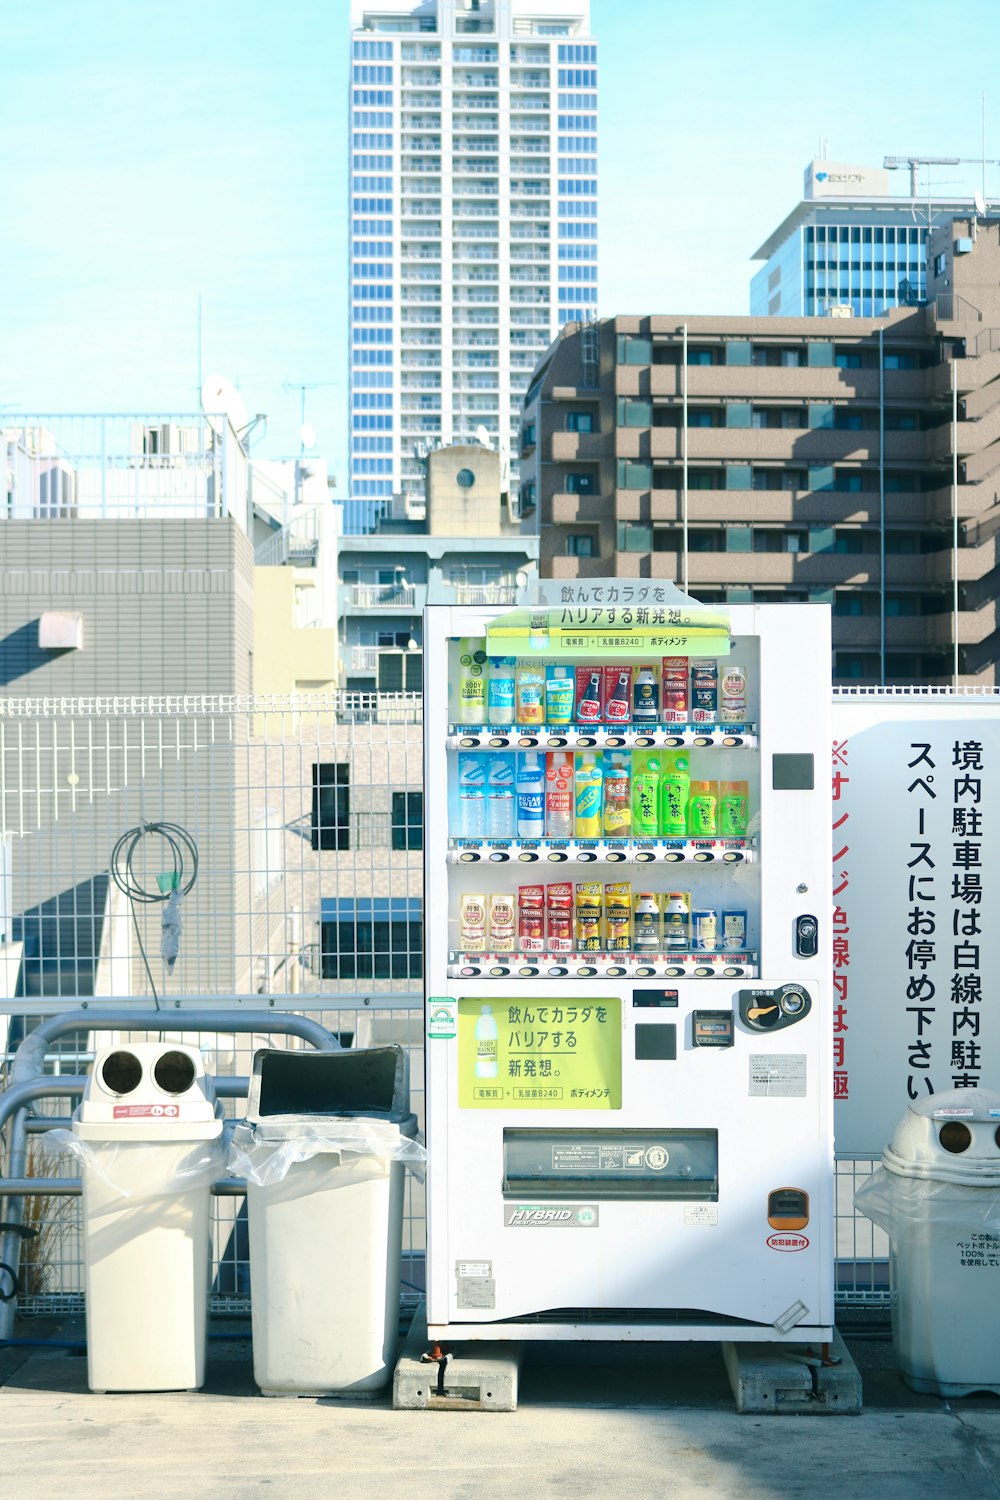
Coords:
639,1045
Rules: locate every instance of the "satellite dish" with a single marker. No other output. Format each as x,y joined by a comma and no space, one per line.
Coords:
220,398
482,436
980,203
307,435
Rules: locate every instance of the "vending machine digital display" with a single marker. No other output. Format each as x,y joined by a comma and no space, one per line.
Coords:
628,973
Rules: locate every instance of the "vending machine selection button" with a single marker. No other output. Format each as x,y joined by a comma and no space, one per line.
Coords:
644,741
499,742
616,972
499,855
527,973
469,856
556,743
614,742
558,854
499,973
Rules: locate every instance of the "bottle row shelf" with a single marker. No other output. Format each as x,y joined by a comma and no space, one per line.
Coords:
602,737
603,851
703,965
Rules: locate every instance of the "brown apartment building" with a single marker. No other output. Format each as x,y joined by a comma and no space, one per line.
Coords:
850,460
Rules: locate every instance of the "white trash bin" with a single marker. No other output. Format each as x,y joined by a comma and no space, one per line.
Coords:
324,1152
937,1195
148,1135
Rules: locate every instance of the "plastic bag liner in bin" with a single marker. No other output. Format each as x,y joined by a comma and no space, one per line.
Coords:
352,1104
937,1194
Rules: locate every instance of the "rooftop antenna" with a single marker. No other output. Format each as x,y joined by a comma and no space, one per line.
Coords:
892,163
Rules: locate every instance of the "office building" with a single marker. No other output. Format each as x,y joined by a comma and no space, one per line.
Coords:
793,459
473,223
849,247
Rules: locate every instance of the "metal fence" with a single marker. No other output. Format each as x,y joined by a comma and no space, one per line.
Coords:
307,814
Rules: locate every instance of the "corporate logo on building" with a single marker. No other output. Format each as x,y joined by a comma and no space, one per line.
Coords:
827,179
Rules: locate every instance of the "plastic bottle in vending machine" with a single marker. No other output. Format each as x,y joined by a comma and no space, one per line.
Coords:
703,810
500,691
559,687
645,798
589,798
530,693
559,810
471,796
617,797
471,682
530,797
675,783
500,798
733,807
588,702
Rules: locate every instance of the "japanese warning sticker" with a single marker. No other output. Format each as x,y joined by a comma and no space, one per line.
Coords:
778,1075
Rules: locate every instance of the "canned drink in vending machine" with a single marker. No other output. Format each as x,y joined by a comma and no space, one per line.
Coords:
704,690
734,931
704,929
733,695
677,920
530,918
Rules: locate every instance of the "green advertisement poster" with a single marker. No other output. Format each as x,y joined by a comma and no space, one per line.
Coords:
575,630
540,1054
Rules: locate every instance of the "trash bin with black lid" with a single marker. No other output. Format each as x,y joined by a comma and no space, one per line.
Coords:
937,1195
148,1134
324,1151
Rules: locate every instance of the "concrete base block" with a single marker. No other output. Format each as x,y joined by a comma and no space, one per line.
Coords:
477,1377
785,1378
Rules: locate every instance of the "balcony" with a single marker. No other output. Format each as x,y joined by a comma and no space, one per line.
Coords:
382,596
749,382
485,593
578,447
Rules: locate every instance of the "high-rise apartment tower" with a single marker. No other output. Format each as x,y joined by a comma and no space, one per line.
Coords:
473,228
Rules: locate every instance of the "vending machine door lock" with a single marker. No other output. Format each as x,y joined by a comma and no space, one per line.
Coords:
806,936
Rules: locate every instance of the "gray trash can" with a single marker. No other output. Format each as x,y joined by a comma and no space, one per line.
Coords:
148,1136
937,1195
324,1152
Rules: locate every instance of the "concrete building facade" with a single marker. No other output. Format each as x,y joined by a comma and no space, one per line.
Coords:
850,460
473,222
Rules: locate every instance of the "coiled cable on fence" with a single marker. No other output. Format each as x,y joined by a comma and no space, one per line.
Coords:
171,884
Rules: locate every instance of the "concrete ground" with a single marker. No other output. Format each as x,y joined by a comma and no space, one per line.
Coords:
594,1421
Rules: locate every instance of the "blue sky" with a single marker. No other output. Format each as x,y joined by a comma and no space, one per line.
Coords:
158,150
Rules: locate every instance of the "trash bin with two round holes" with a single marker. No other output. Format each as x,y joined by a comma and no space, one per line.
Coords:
324,1151
148,1135
937,1195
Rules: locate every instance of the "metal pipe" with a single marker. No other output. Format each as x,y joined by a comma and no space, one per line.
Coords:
684,454
954,513
29,1059
72,1187
881,499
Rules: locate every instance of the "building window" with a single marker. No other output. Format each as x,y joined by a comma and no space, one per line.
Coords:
331,805
580,482
579,421
371,938
465,478
407,820
579,544
634,536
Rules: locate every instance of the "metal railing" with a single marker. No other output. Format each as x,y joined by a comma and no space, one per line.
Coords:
370,595
43,1195
485,593
126,466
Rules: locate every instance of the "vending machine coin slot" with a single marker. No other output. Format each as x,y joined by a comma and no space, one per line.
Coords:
774,1009
788,1208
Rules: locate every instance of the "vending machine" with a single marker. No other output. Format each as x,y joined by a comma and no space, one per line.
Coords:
628,972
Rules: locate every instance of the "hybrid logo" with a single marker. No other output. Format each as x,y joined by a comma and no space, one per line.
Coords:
550,1216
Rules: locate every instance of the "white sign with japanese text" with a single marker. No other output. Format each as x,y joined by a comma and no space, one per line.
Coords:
916,875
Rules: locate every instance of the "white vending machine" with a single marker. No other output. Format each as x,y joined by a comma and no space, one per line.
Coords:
628,973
